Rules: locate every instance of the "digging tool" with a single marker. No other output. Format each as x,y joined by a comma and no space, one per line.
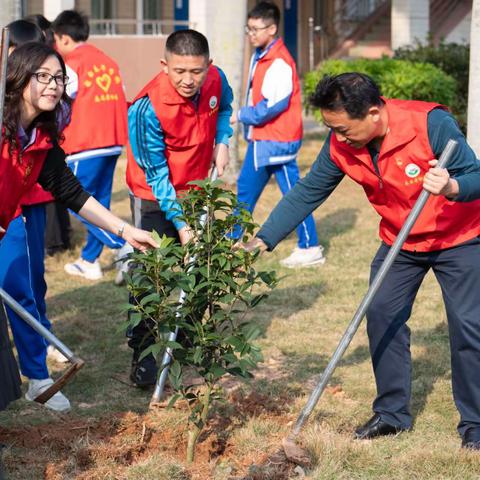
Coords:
77,363
293,451
162,379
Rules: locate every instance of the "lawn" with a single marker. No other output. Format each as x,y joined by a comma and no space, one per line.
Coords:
111,434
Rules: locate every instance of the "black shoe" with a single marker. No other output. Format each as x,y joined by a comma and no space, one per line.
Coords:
144,372
376,427
471,439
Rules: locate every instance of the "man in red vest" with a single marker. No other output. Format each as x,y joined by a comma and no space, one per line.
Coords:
179,125
272,117
390,147
97,131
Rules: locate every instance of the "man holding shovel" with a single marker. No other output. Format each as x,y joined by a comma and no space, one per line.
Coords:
179,124
390,148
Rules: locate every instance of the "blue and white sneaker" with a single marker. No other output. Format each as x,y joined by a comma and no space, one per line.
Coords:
82,268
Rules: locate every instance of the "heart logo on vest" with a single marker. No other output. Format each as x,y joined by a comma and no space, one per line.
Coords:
104,82
412,170
213,102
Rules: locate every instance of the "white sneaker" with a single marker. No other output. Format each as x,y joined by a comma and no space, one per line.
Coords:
122,263
59,402
82,268
304,257
55,355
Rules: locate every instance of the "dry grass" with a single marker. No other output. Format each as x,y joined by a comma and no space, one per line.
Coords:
301,323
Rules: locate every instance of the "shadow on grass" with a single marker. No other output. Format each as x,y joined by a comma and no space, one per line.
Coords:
282,303
335,224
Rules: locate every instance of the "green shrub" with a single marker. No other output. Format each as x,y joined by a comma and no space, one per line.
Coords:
453,59
396,78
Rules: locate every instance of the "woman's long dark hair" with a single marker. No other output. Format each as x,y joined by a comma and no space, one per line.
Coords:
22,63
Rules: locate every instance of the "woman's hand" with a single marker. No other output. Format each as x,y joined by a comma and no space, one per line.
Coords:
139,239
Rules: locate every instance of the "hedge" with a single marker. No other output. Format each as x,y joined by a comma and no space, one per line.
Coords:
396,79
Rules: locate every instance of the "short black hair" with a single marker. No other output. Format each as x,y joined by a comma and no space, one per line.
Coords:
73,24
267,11
22,32
188,42
353,92
39,20
45,25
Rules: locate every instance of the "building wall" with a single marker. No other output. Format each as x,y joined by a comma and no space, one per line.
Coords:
461,33
34,7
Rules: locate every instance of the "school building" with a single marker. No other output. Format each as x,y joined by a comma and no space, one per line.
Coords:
134,31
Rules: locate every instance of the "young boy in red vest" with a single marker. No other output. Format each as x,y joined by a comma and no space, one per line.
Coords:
178,127
389,148
97,131
272,116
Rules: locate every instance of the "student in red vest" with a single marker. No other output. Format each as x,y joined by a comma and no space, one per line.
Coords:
272,117
23,251
57,223
390,147
178,126
35,86
97,131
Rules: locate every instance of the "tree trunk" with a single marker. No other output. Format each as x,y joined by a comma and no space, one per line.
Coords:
195,431
473,126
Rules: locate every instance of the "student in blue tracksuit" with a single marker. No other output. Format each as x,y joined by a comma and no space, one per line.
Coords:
273,126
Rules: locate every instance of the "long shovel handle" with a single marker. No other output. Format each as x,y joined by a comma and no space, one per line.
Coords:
3,74
77,363
162,379
374,286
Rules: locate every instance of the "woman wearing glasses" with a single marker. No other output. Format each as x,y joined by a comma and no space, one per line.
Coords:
35,109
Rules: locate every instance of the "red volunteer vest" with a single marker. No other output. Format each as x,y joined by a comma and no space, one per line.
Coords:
99,111
18,176
402,163
189,133
35,196
286,127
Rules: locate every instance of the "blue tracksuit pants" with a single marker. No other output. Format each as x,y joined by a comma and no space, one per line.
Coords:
457,270
96,176
250,185
22,269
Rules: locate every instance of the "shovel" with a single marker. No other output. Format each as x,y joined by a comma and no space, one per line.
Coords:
76,363
292,451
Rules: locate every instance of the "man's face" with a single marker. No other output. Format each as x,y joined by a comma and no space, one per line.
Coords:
186,73
356,132
260,33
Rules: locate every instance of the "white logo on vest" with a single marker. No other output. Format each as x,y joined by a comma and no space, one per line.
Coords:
412,170
213,102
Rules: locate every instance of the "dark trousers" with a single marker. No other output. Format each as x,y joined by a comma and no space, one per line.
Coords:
147,215
9,376
458,273
57,230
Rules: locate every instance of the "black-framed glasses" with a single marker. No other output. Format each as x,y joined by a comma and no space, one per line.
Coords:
45,78
255,30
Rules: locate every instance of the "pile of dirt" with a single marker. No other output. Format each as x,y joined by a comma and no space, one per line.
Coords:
77,448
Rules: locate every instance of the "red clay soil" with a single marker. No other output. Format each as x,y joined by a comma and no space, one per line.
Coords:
82,446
